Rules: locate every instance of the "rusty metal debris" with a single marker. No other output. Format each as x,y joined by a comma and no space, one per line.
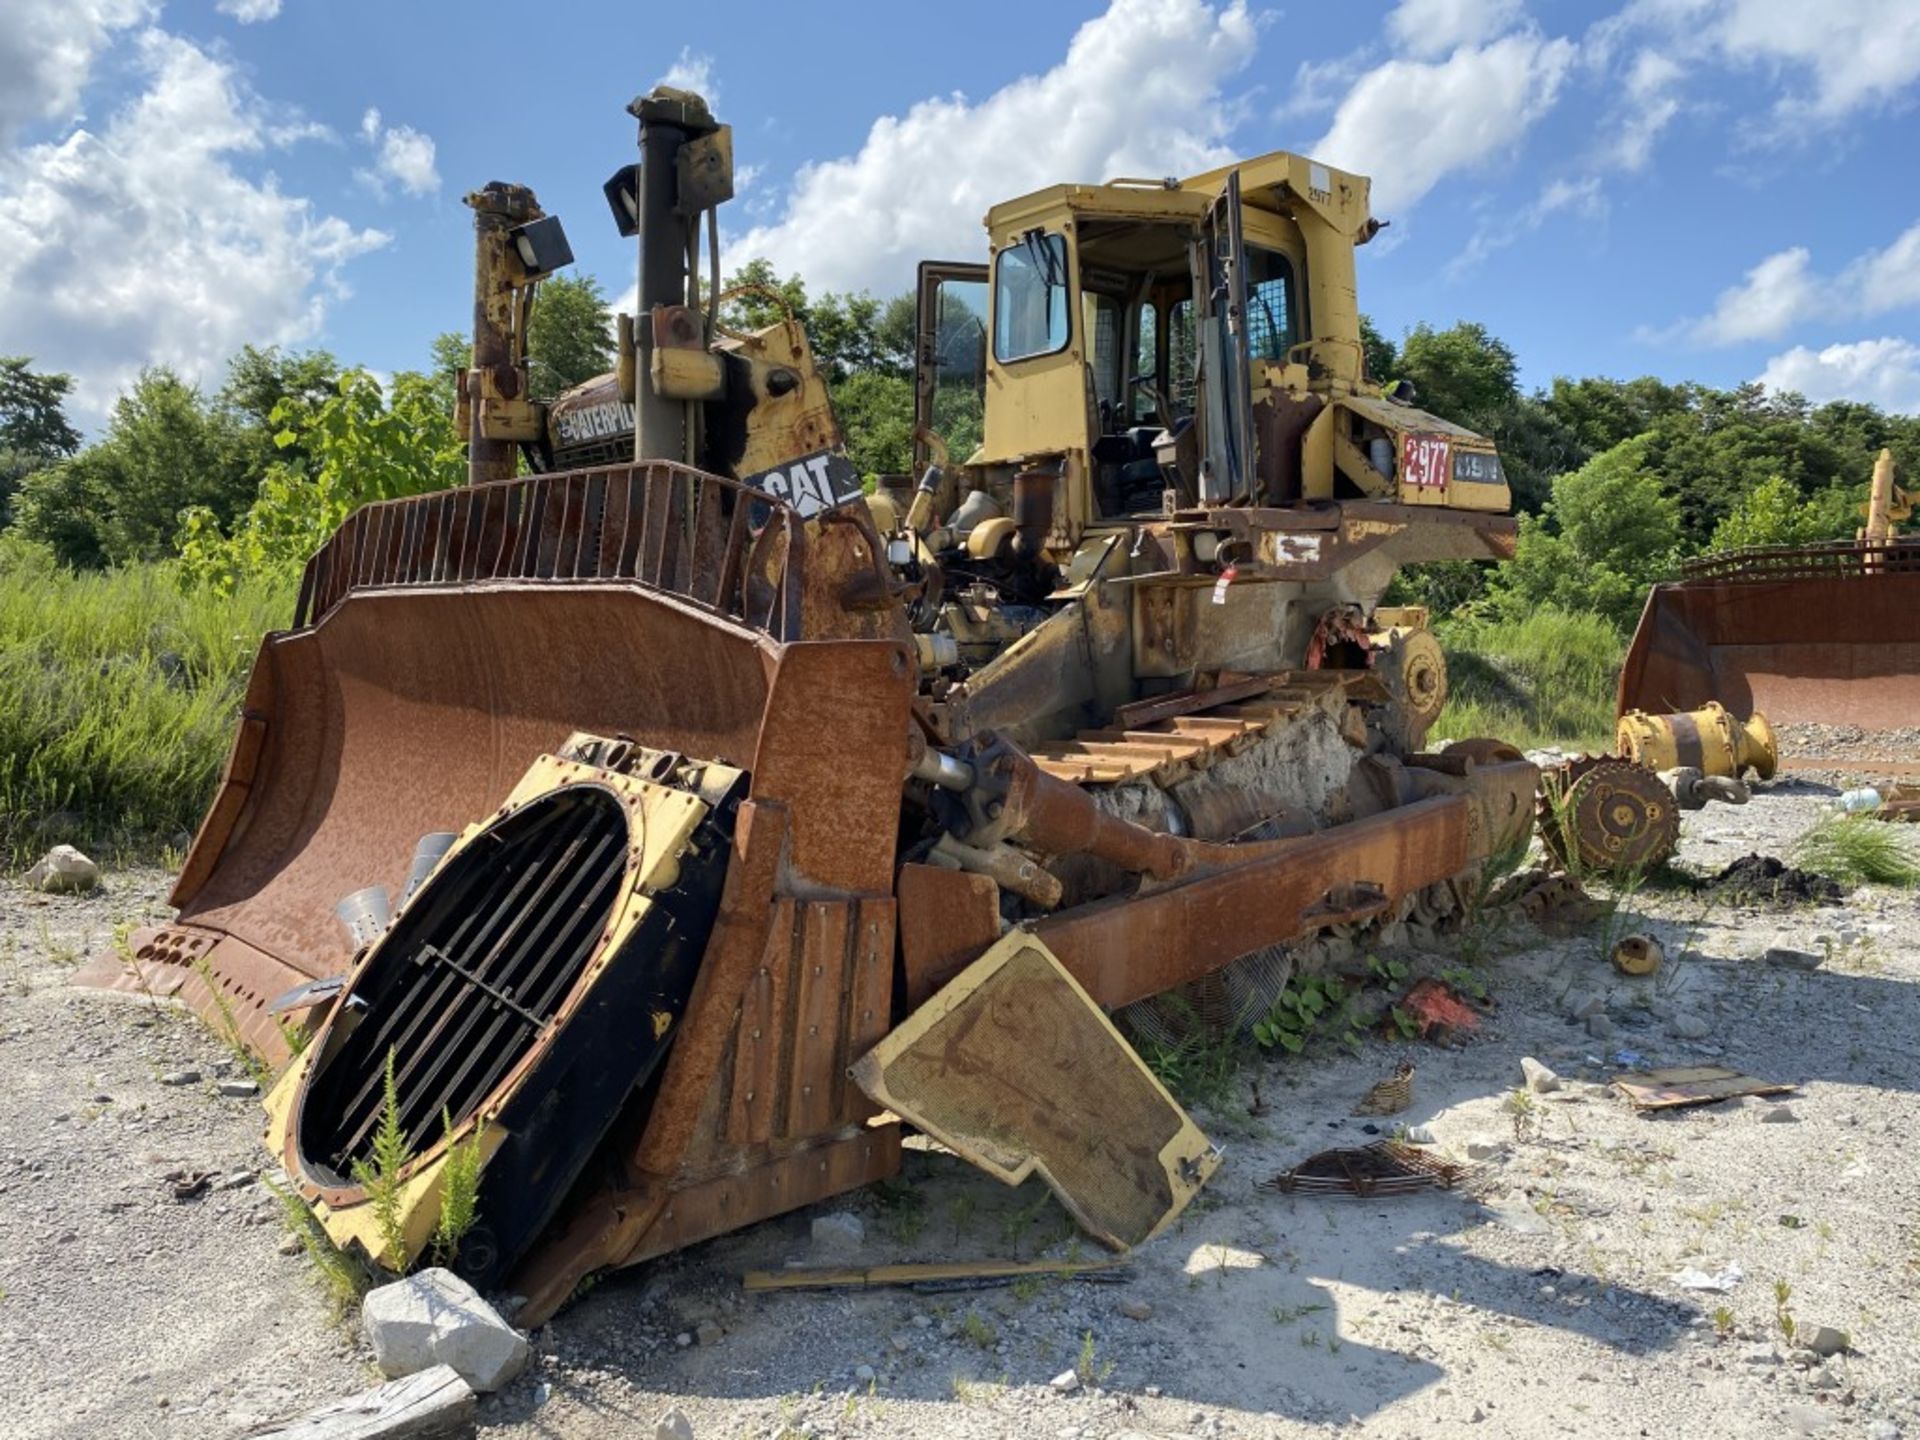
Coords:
1388,1167
1552,899
1600,815
1637,955
1681,1085
1389,1096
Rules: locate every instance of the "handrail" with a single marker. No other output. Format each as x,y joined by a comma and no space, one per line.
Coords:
724,546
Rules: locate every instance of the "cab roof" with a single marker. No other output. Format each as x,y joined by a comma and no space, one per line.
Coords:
1279,181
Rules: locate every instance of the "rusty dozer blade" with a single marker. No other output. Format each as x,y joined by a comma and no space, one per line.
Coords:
1016,1069
441,643
1822,633
533,982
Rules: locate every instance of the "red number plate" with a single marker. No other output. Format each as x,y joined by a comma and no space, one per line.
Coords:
1426,460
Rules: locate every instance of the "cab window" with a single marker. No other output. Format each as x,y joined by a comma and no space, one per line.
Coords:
1145,360
1103,325
1269,305
1030,297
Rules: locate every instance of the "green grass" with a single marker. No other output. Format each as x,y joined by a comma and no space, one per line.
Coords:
1548,679
118,698
1857,850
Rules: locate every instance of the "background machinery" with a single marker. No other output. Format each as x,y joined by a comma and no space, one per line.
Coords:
750,799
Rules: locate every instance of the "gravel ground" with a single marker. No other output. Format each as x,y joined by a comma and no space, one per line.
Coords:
1538,1302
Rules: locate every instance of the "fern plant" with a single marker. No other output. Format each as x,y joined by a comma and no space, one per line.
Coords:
381,1177
459,1191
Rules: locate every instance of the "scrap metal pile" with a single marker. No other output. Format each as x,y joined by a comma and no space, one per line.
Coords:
784,818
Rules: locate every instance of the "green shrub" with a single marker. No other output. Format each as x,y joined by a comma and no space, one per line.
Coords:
118,697
1547,678
1857,850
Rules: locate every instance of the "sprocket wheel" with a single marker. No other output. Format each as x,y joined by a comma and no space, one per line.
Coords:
1600,815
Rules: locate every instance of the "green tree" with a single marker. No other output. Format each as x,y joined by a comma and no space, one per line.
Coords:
34,432
1462,374
569,338
33,420
875,411
166,450
364,445
1382,357
1609,531
1775,513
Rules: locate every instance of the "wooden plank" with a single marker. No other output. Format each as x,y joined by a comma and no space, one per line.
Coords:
1165,707
434,1403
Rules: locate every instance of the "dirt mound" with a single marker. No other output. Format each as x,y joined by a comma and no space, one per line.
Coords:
1763,880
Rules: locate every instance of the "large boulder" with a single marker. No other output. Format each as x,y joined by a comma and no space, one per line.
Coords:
436,1318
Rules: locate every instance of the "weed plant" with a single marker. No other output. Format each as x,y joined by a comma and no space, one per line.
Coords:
118,697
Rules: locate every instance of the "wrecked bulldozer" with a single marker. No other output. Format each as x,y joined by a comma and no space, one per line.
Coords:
1825,633
766,818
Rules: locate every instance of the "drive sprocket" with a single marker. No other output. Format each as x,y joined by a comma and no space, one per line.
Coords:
1600,815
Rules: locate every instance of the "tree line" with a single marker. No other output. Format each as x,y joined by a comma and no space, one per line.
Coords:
1616,481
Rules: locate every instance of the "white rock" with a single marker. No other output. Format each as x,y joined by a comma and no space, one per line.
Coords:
674,1425
1825,1340
1883,1430
1690,1026
1539,1078
842,1230
1582,1006
1421,1135
1779,1115
237,1089
1066,1382
63,870
1486,1147
436,1318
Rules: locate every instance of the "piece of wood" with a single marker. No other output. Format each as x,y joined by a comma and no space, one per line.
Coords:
829,1278
1679,1085
434,1403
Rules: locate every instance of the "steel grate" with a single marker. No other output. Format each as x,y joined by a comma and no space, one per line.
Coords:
469,979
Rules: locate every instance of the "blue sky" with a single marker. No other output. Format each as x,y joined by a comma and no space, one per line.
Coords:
1711,189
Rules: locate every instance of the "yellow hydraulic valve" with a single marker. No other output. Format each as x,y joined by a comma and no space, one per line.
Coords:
1709,739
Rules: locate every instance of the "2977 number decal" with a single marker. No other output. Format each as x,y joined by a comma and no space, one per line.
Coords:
1425,460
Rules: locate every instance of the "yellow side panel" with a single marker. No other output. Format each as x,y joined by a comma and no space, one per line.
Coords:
1015,1068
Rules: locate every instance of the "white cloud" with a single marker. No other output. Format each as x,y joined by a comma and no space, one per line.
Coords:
1645,110
694,71
143,242
1888,279
1777,294
401,156
1784,290
47,50
1857,53
1883,372
1139,92
1411,123
248,12
1583,198
1428,28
